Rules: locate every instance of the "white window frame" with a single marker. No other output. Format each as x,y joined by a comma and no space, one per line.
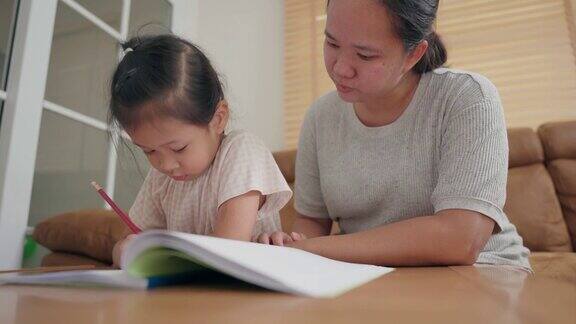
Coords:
22,115
21,122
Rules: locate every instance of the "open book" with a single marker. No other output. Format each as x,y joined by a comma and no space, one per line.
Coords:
157,258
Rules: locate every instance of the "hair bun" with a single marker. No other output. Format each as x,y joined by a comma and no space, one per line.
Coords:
433,36
131,44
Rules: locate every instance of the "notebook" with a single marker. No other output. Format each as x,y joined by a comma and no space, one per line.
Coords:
158,258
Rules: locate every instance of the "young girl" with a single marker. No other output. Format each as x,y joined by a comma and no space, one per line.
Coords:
410,159
168,98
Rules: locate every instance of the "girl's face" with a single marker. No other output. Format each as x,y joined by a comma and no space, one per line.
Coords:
180,150
362,54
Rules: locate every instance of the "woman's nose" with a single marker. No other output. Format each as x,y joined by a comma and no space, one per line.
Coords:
343,69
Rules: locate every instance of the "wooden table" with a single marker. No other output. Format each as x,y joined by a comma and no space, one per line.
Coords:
407,295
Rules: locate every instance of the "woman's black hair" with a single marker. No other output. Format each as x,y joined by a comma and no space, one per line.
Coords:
413,21
165,76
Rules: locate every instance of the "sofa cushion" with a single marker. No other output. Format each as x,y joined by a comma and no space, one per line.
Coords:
563,172
557,265
87,232
288,215
286,161
533,207
559,141
525,147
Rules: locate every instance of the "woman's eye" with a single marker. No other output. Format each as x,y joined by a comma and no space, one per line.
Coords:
332,44
365,57
148,152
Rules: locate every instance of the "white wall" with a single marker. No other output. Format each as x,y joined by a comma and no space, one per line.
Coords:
244,40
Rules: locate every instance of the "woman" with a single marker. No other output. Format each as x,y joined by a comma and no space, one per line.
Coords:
409,158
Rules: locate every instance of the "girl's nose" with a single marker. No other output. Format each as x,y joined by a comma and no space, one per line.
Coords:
343,70
168,165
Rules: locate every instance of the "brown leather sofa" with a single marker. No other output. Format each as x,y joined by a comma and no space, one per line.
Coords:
541,202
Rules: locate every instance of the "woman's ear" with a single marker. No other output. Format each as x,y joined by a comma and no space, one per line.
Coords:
415,55
220,118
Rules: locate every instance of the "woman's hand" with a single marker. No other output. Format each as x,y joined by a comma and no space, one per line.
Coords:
118,248
279,238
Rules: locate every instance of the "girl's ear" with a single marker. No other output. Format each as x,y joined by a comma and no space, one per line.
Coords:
220,118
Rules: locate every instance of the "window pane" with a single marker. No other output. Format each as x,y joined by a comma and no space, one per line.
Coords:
150,17
69,156
305,77
131,169
7,21
132,165
526,48
82,59
109,11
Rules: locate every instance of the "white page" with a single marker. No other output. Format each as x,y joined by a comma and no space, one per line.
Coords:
274,267
108,278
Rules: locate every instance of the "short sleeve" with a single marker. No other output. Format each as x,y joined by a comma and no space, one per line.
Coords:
308,200
146,212
473,161
247,165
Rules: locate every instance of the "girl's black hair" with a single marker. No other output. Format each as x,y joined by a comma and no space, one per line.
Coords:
165,76
413,22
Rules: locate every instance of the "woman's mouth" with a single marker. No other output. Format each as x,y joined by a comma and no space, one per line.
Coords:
180,178
343,88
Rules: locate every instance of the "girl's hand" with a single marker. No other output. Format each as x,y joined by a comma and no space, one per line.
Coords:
118,248
279,238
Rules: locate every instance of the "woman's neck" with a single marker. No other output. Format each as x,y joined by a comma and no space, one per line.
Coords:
381,111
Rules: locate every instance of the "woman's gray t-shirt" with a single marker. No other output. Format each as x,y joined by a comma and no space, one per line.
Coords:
448,150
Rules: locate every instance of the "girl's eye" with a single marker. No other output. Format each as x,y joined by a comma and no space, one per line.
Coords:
148,152
365,57
180,150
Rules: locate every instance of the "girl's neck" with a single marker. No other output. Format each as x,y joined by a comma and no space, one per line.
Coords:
381,111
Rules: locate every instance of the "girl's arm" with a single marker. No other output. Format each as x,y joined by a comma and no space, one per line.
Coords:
237,216
450,237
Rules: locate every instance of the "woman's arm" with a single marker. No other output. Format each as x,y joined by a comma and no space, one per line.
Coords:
450,237
311,227
302,228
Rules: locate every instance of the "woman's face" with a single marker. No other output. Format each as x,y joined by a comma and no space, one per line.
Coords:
363,55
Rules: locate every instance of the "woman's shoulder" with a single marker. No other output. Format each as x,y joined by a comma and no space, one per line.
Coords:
467,97
466,87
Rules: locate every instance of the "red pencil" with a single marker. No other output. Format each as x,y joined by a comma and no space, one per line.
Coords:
118,211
